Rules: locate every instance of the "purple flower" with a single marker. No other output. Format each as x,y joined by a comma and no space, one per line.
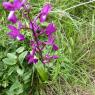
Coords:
8,6
34,26
50,29
31,57
48,58
50,40
17,4
15,33
37,42
55,57
20,37
55,47
12,17
44,12
12,7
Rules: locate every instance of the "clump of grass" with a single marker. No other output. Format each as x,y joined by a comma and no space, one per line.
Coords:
76,39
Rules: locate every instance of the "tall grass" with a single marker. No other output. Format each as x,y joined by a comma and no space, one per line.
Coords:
74,72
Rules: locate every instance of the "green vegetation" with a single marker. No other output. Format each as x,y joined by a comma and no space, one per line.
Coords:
73,73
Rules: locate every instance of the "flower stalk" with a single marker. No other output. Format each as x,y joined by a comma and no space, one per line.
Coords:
37,46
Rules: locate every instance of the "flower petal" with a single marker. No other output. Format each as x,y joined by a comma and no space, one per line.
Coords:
8,6
34,26
19,25
50,29
12,35
17,4
12,17
23,1
50,40
14,32
55,47
13,28
46,9
44,12
31,59
42,17
20,37
54,56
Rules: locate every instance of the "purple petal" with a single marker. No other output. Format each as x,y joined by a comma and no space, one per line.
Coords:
48,57
31,59
35,60
12,17
19,25
14,32
54,56
46,9
23,2
20,37
50,40
34,26
44,12
8,6
31,43
12,35
13,28
28,56
50,29
43,17
55,47
17,4
33,51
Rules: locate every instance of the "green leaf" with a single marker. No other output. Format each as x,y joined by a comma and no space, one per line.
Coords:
42,71
20,71
16,88
11,70
5,84
20,49
26,76
9,61
11,56
22,56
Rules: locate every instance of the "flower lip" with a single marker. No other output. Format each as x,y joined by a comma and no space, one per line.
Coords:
18,3
20,37
31,59
44,12
34,26
46,9
55,47
12,17
50,40
43,17
15,33
50,29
